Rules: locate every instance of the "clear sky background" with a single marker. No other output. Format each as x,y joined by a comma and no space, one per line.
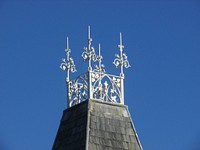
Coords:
162,88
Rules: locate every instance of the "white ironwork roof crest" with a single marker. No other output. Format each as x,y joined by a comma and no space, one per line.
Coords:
95,83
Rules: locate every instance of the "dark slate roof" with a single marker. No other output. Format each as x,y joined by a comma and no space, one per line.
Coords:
95,125
71,134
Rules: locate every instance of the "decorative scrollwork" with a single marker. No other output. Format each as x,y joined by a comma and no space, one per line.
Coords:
96,83
121,60
89,54
78,90
69,63
99,69
106,87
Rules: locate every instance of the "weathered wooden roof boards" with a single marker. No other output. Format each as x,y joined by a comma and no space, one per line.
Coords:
96,125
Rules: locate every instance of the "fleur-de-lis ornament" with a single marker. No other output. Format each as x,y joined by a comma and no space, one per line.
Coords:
100,67
89,52
68,64
121,60
95,83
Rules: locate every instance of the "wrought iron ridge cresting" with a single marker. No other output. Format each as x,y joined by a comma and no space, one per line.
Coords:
95,83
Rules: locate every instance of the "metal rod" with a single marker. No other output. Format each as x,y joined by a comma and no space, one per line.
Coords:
121,54
89,49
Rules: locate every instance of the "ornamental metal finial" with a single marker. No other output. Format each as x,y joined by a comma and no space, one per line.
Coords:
100,68
95,83
89,52
122,60
69,63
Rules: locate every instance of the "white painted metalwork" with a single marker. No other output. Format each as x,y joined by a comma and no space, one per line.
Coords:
68,64
78,90
89,52
122,59
95,83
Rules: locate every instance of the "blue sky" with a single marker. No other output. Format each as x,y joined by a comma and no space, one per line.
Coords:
162,88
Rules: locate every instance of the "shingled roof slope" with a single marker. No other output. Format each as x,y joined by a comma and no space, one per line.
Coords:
71,134
111,128
96,125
